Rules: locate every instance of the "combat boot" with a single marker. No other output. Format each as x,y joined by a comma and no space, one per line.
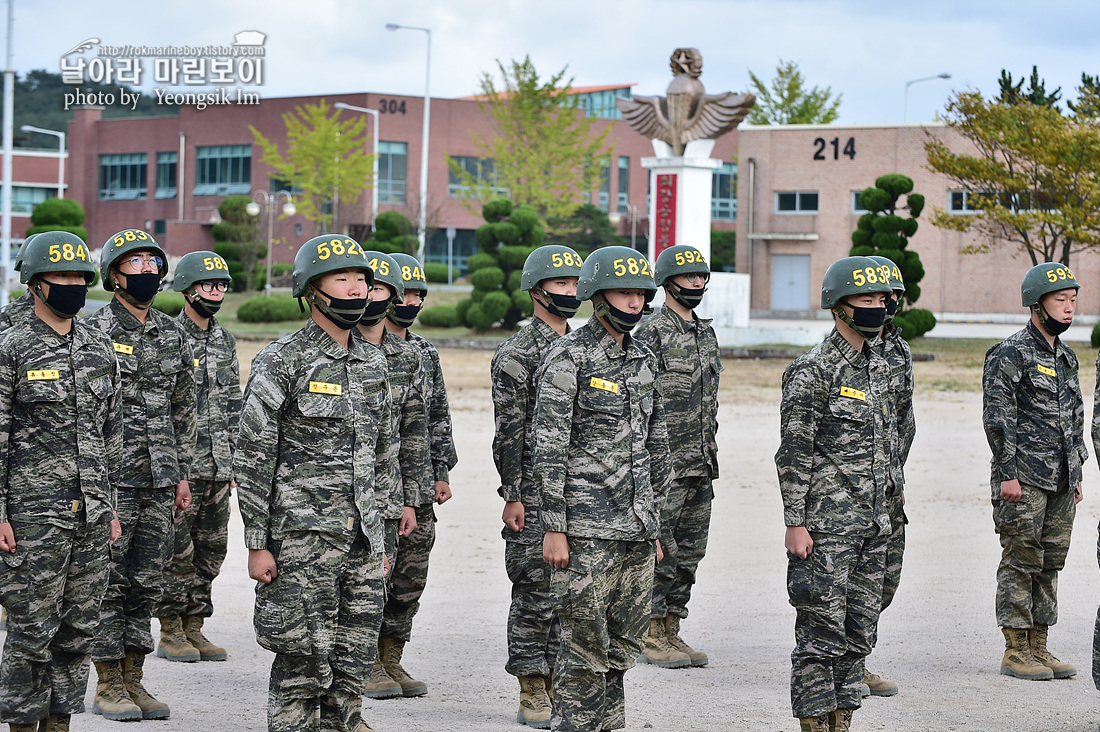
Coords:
1018,660
878,686
133,673
534,704
13,727
391,650
192,630
657,650
54,723
672,632
380,685
814,724
173,643
111,699
364,727
1038,636
840,720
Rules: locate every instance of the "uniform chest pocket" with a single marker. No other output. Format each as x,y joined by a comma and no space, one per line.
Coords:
171,362
100,387
899,380
1043,382
605,401
226,377
681,364
43,391
850,409
324,406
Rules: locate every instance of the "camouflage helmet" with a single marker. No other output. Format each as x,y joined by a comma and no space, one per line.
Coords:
19,256
323,254
387,271
551,260
612,268
677,260
195,267
124,243
892,270
412,272
851,276
1045,278
55,251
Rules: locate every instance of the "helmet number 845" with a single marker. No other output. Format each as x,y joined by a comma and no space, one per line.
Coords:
67,252
632,265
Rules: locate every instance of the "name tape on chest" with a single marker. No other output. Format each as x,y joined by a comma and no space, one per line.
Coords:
597,383
43,375
1044,370
196,363
320,387
847,391
123,348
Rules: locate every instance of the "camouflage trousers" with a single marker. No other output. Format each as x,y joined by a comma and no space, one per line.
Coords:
685,526
52,587
201,540
895,548
837,595
1035,535
409,576
320,619
1096,629
534,632
138,559
602,599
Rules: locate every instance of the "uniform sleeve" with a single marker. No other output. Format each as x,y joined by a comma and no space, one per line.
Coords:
511,391
415,457
805,398
235,398
1079,419
552,425
183,410
258,443
660,458
8,369
907,421
1000,379
112,429
442,444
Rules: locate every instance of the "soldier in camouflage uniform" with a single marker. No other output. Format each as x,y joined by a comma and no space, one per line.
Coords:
833,470
22,306
550,276
409,575
405,471
602,468
316,411
59,436
1034,419
201,531
895,351
689,366
158,418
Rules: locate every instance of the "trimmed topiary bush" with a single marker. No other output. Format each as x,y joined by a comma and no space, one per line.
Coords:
438,316
273,309
915,322
169,303
487,279
437,271
1096,336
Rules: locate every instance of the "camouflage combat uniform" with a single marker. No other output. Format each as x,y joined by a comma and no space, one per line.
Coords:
602,468
201,531
409,574
833,472
157,408
689,366
533,633
314,416
59,439
1034,419
18,309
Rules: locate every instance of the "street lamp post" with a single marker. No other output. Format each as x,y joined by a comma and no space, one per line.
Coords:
374,184
60,155
422,225
917,81
253,209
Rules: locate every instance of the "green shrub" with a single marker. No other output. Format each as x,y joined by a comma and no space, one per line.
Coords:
439,316
278,269
460,311
1096,335
522,300
496,304
273,309
477,318
488,278
915,322
169,303
480,261
513,257
437,271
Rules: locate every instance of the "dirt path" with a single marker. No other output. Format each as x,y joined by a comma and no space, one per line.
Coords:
939,640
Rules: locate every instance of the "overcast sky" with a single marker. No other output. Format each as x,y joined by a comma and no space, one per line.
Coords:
865,50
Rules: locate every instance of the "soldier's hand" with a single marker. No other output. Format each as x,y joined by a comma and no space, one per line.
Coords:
183,496
232,486
1078,494
116,529
513,515
385,565
442,491
1011,490
798,541
660,552
555,549
261,566
7,539
408,521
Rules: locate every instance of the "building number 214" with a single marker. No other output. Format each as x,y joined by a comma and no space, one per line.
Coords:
821,145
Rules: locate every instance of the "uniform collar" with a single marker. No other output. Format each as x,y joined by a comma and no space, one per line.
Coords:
544,331
1041,339
606,341
127,320
696,323
858,359
191,328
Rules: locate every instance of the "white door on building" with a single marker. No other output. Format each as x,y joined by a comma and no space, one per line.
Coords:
790,282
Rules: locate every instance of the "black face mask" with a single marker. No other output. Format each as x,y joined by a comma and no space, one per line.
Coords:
344,312
403,316
142,287
891,309
563,306
205,308
686,296
1050,325
865,321
620,320
376,310
64,301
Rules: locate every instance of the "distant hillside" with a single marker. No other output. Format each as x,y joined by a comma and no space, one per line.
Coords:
40,101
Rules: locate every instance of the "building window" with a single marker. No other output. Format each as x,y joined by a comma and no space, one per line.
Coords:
481,170
959,203
624,184
122,177
393,162
603,201
25,198
796,202
857,207
160,227
278,185
166,175
723,193
223,170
